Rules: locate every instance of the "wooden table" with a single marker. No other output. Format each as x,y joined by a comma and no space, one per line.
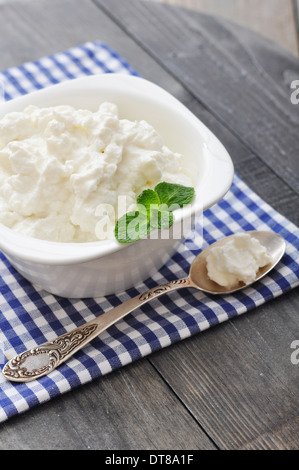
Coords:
234,386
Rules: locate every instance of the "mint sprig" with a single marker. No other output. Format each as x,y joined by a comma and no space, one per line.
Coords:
132,226
148,199
174,194
155,209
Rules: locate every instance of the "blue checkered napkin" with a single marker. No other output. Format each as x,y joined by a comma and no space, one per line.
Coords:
30,316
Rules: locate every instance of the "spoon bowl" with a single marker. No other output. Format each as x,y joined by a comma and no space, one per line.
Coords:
35,363
274,244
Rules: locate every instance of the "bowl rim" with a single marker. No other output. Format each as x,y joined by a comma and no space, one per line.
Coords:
220,164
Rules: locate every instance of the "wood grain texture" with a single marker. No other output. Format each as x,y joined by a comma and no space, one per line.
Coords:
272,18
130,409
68,29
232,387
296,14
245,395
264,181
222,65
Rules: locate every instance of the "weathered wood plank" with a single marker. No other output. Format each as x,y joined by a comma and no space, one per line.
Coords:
272,18
226,69
244,394
130,409
296,14
249,166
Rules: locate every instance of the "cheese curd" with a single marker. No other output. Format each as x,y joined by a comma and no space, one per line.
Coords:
237,260
59,164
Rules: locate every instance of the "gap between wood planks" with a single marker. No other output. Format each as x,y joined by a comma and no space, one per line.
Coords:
296,15
276,19
152,44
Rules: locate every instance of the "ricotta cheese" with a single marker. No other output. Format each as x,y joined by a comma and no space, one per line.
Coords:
237,260
59,164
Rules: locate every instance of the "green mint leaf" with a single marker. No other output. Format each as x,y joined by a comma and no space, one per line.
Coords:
134,226
160,219
154,211
166,220
174,194
148,198
131,227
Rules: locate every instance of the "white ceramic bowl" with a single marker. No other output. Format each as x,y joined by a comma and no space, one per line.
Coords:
106,267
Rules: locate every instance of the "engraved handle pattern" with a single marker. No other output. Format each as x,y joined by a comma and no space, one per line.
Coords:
35,363
156,291
43,359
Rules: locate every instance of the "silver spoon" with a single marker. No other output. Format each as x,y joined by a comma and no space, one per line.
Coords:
35,363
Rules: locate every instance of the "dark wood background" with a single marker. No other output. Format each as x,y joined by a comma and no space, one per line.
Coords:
275,19
233,386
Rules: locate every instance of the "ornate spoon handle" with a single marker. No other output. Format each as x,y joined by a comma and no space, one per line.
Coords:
35,363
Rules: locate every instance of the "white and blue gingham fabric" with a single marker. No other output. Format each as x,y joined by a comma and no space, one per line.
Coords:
30,316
